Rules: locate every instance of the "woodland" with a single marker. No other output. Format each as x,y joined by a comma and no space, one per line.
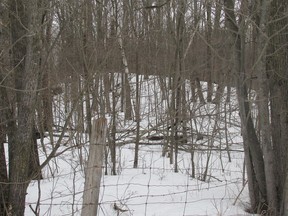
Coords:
96,53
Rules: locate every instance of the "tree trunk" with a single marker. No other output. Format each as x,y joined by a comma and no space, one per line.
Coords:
3,174
112,143
88,61
46,96
264,117
277,64
209,51
248,129
137,111
8,130
23,27
179,69
3,118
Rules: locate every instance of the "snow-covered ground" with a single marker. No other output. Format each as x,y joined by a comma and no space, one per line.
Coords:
153,189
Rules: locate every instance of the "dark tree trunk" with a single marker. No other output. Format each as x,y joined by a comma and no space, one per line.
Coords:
3,110
128,104
277,64
5,131
209,52
34,171
3,174
23,19
46,96
247,126
3,165
137,112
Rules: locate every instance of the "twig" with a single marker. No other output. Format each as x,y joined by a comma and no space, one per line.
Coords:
240,192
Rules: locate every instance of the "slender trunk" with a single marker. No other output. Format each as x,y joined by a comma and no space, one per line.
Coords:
173,123
126,89
177,120
112,144
3,165
88,44
128,104
209,52
252,186
193,88
45,77
107,90
137,113
200,91
219,93
3,175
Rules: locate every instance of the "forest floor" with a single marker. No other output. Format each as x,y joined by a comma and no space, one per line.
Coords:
218,186
152,189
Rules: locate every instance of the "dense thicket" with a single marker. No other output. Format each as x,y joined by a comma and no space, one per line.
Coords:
88,49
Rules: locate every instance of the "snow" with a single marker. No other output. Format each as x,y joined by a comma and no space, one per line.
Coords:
152,189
